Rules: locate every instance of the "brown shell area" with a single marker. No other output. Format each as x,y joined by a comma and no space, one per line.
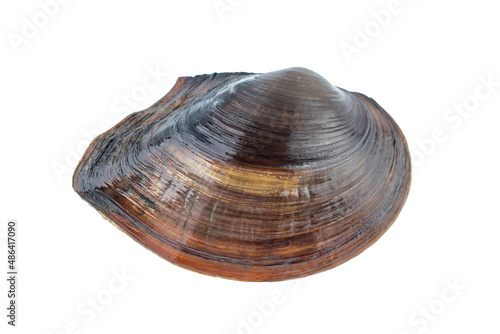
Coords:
254,177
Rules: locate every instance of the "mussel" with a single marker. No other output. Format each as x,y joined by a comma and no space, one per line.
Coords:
253,177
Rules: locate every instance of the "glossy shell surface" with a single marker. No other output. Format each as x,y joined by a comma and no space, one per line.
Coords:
254,177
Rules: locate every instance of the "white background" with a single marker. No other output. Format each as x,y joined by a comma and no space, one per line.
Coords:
65,80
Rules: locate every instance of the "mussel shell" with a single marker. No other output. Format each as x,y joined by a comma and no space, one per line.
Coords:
254,177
